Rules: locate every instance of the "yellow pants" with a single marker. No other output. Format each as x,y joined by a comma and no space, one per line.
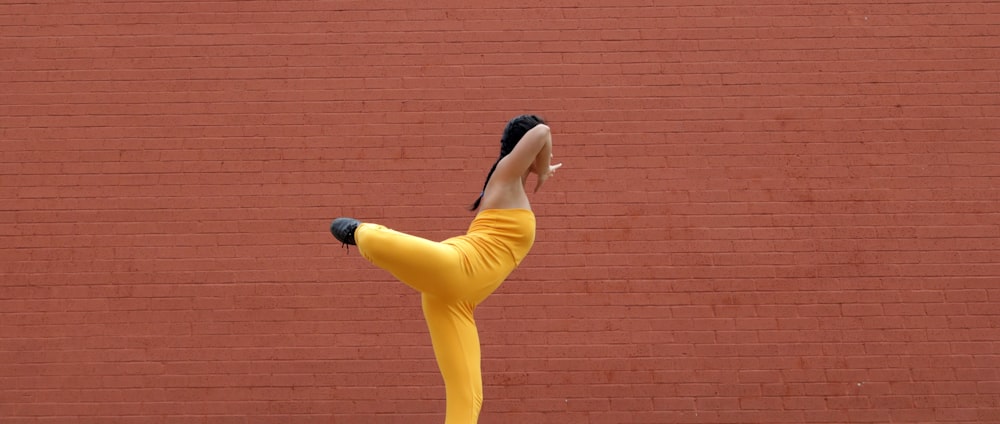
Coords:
454,276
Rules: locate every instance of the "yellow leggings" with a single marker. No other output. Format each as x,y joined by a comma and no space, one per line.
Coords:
454,276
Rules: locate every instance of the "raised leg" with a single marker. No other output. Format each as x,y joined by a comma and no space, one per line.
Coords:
426,266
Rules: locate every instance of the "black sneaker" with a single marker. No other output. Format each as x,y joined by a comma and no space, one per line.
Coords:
343,230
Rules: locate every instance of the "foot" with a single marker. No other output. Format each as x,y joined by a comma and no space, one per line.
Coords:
343,230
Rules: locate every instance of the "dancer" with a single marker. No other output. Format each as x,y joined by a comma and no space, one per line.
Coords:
457,274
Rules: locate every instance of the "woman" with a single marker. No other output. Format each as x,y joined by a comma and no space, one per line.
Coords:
457,274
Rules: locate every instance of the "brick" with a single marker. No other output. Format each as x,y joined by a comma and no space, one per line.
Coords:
756,202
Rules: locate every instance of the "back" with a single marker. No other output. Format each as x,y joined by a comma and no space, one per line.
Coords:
506,187
505,193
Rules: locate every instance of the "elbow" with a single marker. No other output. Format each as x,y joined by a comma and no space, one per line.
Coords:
544,134
548,137
537,137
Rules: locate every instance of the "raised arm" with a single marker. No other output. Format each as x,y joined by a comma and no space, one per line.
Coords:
544,156
543,166
532,154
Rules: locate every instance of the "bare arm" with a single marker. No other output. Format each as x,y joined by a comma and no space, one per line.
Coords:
543,163
542,160
522,158
532,154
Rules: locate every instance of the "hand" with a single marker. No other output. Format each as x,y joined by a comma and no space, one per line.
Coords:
543,176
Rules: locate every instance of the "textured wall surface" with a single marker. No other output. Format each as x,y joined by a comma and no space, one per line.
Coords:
782,212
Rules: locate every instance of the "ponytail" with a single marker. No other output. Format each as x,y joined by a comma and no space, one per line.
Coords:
475,205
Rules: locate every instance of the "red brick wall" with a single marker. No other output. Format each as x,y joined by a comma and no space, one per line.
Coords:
774,213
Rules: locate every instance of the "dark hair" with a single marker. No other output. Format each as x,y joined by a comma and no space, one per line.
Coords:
515,130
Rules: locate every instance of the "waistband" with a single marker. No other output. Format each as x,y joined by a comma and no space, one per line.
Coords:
512,228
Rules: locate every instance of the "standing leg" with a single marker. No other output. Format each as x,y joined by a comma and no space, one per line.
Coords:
456,347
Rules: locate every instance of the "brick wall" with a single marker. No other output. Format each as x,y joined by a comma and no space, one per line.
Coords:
771,213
